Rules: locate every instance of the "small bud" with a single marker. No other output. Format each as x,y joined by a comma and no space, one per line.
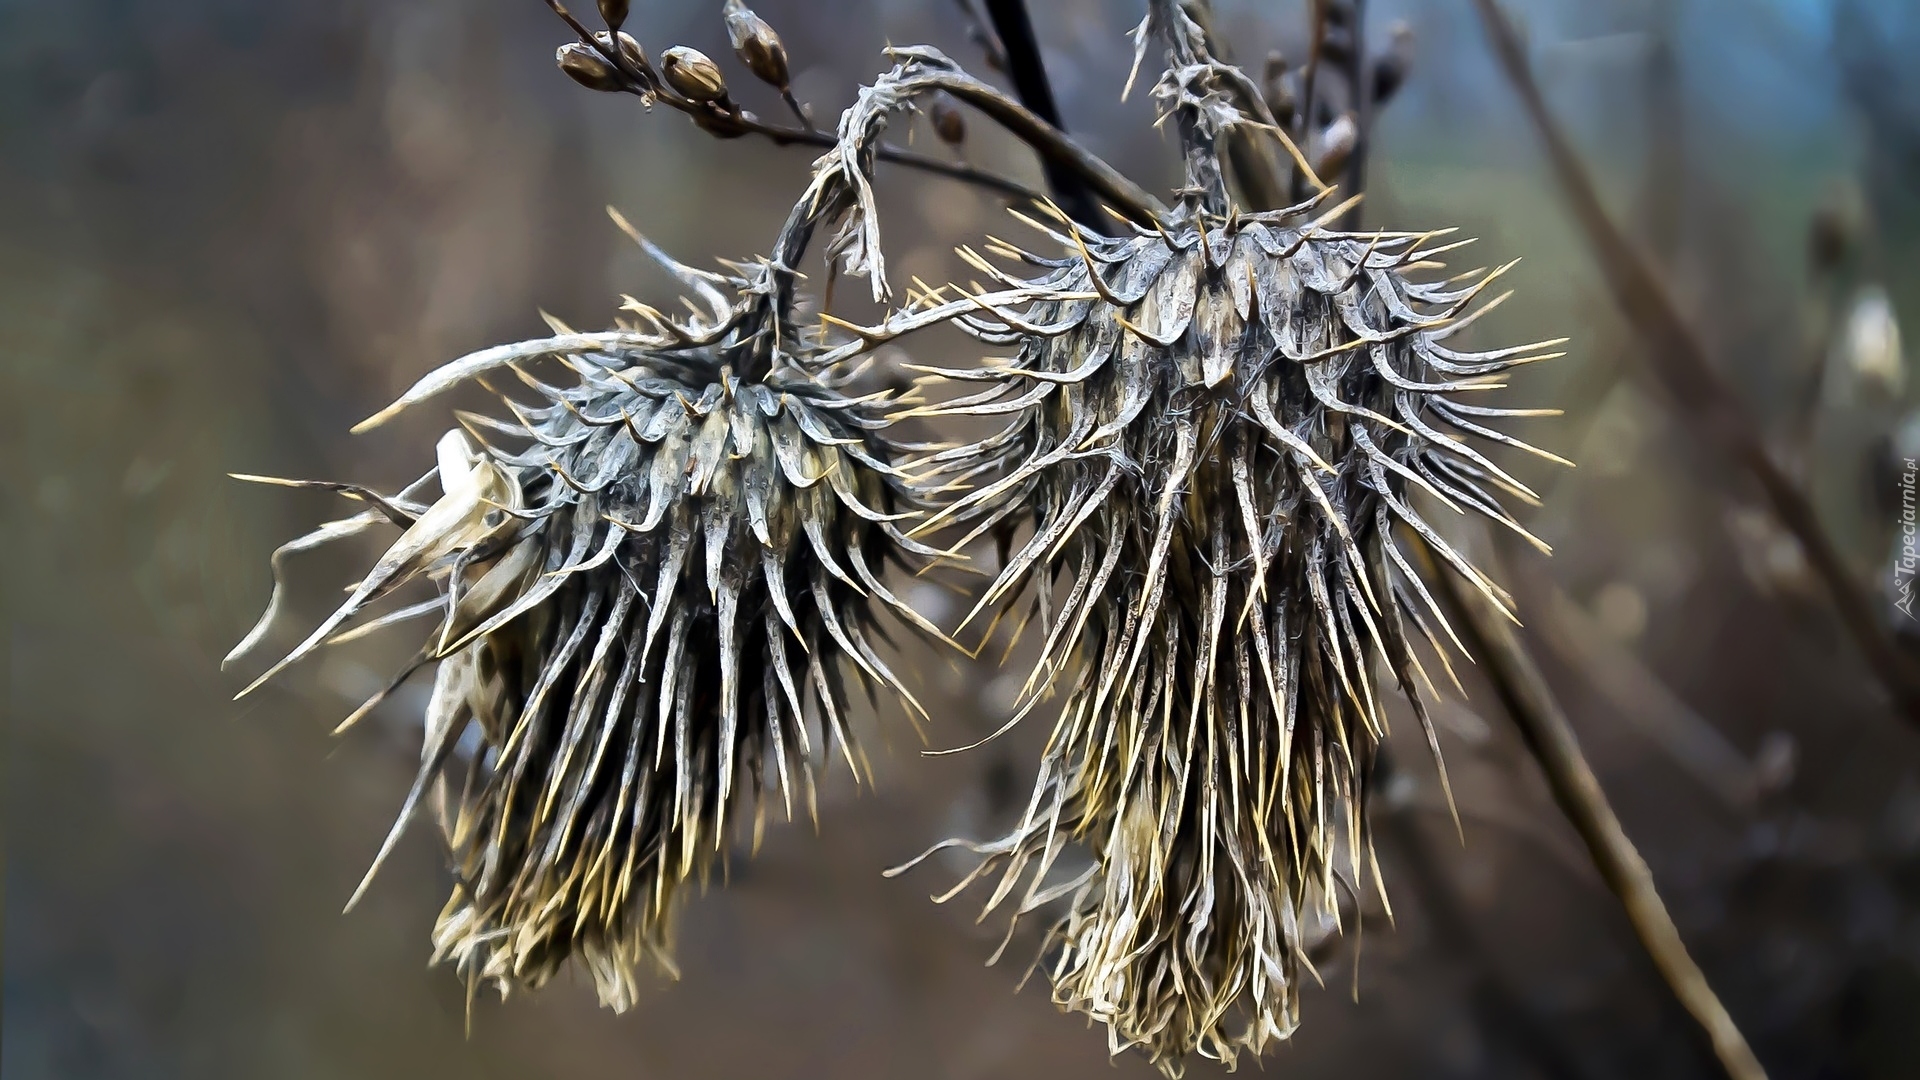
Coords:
1336,146
947,123
1390,69
587,67
614,12
631,53
1277,87
693,75
757,46
1336,46
1870,344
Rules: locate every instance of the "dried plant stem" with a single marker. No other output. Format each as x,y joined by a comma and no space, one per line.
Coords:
952,170
1488,635
1021,54
1309,77
1690,377
1252,167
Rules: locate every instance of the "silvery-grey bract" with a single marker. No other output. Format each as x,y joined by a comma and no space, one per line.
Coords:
1213,454
646,582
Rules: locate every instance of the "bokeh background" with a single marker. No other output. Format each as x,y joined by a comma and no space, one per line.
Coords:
230,229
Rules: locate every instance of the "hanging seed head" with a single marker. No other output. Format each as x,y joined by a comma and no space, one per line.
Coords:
1214,456
757,46
1217,441
587,67
693,75
647,577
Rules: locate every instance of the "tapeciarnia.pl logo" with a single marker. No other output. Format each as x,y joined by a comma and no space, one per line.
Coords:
1908,561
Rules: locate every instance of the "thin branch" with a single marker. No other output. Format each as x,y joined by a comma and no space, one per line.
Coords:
1528,699
1021,54
966,174
1691,378
1309,77
725,120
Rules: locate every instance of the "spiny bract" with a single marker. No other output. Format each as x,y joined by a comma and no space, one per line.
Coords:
645,585
1213,450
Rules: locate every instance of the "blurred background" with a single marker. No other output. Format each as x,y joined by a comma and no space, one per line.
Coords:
228,230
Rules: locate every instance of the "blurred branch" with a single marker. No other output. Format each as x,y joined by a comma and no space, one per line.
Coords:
1309,80
1020,53
1502,1011
982,35
1640,698
1690,376
1488,634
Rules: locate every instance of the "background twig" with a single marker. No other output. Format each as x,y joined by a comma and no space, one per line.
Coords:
1528,699
1021,55
1690,377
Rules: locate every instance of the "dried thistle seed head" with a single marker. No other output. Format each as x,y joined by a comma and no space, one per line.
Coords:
692,75
614,12
1219,428
757,46
587,67
1214,445
651,585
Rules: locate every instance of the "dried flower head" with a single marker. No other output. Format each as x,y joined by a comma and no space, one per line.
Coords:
645,583
1214,443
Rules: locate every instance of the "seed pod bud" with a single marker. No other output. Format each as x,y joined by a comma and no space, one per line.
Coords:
1390,69
757,46
693,75
631,53
587,67
1277,87
614,12
1336,146
947,123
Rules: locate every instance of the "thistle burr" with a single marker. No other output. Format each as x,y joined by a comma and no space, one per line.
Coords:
1215,445
656,588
